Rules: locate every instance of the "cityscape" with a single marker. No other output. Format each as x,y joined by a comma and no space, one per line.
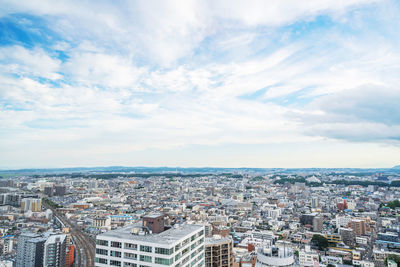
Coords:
193,217
199,133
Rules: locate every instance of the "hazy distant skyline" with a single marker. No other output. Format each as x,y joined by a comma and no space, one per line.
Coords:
200,83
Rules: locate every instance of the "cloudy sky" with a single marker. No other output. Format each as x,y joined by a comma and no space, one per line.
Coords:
277,83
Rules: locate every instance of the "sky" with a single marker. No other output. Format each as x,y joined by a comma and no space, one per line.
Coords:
278,83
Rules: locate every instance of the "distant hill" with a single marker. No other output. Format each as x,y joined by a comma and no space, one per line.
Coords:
138,169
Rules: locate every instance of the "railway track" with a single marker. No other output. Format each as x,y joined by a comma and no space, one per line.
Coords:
84,245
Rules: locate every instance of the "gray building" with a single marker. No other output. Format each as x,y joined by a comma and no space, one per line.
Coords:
54,251
38,250
318,224
30,250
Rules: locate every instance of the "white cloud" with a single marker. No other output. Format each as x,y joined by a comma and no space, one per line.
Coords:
278,12
21,61
363,114
133,79
101,69
165,31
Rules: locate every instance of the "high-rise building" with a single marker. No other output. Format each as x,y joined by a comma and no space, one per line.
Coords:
307,219
38,250
69,256
7,245
219,251
318,223
60,190
11,199
347,235
31,204
55,250
314,202
30,250
358,226
49,191
140,245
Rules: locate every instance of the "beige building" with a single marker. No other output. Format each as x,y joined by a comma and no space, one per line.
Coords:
358,226
31,204
101,222
219,251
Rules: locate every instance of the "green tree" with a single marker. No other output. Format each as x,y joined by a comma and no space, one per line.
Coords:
393,204
320,241
393,257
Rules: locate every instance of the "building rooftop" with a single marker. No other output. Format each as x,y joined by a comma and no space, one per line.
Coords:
167,237
216,240
154,215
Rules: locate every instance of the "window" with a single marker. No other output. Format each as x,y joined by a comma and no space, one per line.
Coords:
201,233
146,248
185,260
130,246
101,242
186,250
101,251
145,258
131,256
128,264
193,237
101,260
177,247
115,263
163,261
115,253
164,251
116,244
185,241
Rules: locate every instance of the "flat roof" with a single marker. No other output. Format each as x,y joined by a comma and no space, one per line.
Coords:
167,237
156,215
217,240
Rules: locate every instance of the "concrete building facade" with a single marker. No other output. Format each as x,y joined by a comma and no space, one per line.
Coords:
136,245
219,251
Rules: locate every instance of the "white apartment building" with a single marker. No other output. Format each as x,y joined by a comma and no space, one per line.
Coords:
7,246
138,246
308,257
342,221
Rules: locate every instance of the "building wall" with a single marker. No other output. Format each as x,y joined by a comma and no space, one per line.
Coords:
69,257
30,250
54,251
187,251
219,254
